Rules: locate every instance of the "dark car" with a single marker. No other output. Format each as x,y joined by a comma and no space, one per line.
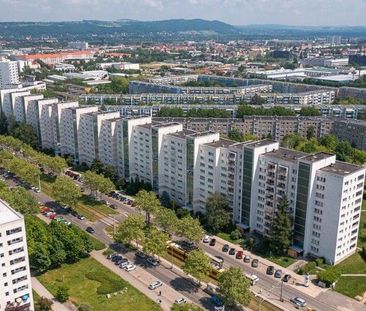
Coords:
239,255
232,251
225,248
278,274
212,242
140,254
116,258
255,263
286,278
270,270
113,206
90,230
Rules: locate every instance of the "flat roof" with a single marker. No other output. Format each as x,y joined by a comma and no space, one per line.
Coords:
183,134
7,214
318,156
341,168
261,143
286,154
165,124
225,143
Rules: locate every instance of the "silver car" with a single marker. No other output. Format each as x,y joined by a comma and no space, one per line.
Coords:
155,285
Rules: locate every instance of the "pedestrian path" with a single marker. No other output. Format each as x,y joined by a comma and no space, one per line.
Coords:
43,292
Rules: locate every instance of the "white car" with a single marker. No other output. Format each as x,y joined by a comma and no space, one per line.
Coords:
155,285
206,239
130,267
124,265
299,301
180,301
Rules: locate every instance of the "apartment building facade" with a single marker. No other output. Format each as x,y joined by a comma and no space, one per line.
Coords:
15,285
9,74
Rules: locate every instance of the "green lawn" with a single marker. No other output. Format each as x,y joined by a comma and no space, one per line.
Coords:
89,282
262,249
351,286
353,264
226,236
364,205
362,230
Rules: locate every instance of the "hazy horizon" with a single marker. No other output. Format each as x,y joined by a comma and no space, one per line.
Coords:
313,13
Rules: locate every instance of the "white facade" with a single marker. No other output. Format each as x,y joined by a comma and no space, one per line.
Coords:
72,119
31,111
17,105
15,284
47,125
89,135
9,74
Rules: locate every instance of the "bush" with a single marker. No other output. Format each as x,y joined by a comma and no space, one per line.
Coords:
329,276
236,234
319,261
62,294
44,304
85,307
363,253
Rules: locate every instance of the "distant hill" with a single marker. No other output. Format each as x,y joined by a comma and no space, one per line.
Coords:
121,28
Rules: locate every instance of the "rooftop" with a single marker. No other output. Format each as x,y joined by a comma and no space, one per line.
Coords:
286,154
261,143
341,168
318,156
7,214
182,134
225,143
161,125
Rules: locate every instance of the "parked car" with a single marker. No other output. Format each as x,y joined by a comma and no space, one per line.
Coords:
154,262
206,239
239,255
232,251
247,259
270,270
286,278
140,254
130,267
116,258
110,256
299,301
180,301
113,206
255,263
81,217
225,248
90,230
212,242
278,274
155,285
124,264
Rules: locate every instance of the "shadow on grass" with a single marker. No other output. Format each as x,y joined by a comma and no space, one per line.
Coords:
184,285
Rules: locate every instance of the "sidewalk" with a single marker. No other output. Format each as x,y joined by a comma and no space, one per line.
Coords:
43,292
140,279
312,290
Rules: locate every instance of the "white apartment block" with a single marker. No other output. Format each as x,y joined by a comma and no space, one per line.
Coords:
72,119
30,103
89,135
17,105
15,285
9,75
125,151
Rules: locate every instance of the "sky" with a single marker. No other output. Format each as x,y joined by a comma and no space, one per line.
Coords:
235,12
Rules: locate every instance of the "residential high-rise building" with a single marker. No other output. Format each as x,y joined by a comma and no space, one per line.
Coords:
9,74
15,279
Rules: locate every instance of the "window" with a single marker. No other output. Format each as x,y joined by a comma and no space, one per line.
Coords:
12,231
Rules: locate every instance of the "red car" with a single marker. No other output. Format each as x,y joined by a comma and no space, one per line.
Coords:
239,255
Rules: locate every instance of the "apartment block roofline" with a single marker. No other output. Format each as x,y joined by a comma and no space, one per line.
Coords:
7,213
341,168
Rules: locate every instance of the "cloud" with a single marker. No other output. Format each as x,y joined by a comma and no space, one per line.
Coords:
299,12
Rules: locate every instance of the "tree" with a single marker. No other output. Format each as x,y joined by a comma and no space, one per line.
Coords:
250,243
62,293
167,220
132,229
236,135
96,182
190,228
197,264
328,141
66,191
147,202
329,276
236,234
3,124
217,212
185,307
155,242
343,150
40,259
234,287
309,111
281,231
44,304
310,132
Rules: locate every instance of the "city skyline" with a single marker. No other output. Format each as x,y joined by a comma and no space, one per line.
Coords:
237,12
